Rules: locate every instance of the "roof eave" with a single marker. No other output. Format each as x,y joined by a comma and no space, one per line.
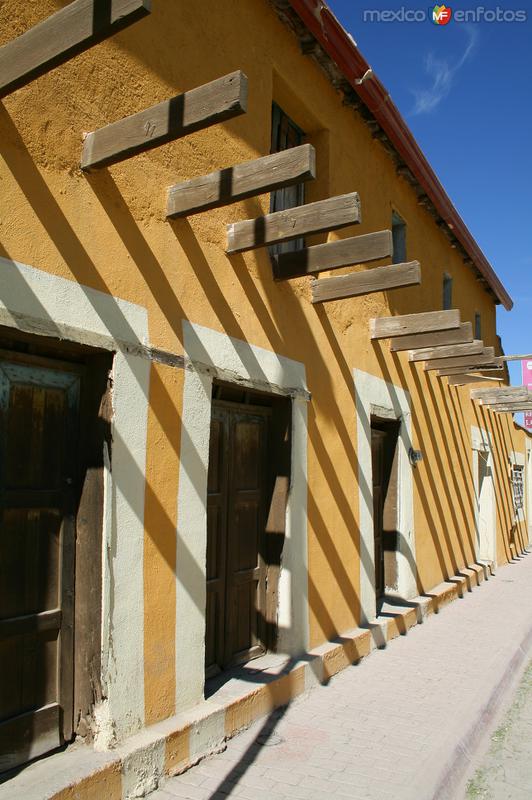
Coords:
341,48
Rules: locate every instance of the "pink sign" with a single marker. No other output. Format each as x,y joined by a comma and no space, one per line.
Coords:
526,369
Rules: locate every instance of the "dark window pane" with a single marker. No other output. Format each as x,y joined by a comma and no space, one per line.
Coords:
398,239
286,134
447,292
478,326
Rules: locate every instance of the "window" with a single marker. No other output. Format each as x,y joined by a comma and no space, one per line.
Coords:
478,325
286,134
447,301
398,239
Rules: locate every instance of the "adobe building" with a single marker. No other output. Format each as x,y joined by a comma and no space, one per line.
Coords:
252,389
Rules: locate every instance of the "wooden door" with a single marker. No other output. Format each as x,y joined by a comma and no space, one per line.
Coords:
384,436
236,563
38,430
378,440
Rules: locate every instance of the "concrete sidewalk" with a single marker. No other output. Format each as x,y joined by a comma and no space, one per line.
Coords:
402,724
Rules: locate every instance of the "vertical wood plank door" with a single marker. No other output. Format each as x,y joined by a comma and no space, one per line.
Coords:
378,439
384,437
38,439
236,563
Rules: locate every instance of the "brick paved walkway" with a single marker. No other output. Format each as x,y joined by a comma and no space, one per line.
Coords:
400,725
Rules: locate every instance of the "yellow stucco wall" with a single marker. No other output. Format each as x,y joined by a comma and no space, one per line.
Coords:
108,230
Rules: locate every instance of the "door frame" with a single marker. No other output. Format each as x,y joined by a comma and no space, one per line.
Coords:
39,303
376,397
211,354
223,646
481,444
388,431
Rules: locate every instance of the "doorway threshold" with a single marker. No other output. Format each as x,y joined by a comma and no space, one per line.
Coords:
235,680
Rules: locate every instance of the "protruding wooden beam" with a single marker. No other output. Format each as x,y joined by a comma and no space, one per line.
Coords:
461,335
506,400
409,324
206,105
512,409
501,396
333,255
486,357
446,351
493,367
377,279
487,392
522,357
462,380
71,30
281,226
243,180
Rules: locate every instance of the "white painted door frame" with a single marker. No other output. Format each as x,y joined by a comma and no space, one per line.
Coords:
485,517
40,303
211,354
374,396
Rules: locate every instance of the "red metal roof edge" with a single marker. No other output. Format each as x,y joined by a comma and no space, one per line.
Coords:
336,42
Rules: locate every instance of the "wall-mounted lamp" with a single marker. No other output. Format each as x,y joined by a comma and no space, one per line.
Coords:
414,456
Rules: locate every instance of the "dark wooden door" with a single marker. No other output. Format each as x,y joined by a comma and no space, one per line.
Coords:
236,564
384,436
38,429
378,442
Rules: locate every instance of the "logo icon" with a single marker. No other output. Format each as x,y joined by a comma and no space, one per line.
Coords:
441,15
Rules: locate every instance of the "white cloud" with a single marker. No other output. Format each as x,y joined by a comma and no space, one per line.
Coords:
443,72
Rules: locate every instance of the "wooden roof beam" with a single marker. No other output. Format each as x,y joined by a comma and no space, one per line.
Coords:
522,357
333,255
513,409
493,367
462,380
500,396
461,335
281,226
490,397
71,30
242,180
446,351
481,394
198,108
478,394
505,400
486,357
377,279
409,324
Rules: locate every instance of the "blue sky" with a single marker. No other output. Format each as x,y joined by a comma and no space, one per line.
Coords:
465,91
